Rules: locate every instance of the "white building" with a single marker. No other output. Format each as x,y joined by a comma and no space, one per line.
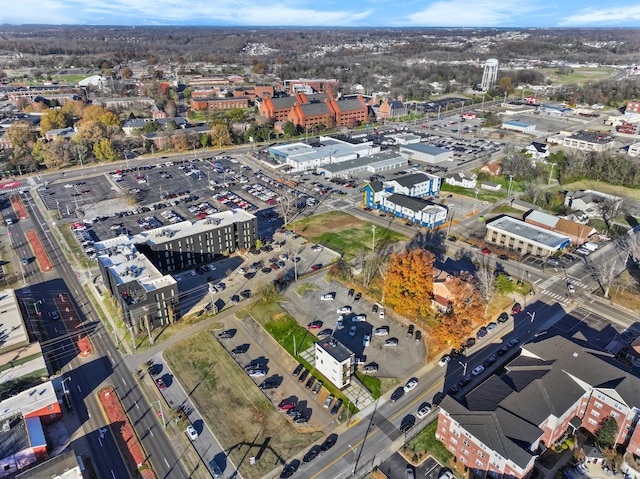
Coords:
589,202
518,126
589,141
634,150
335,361
425,153
460,179
538,151
418,185
524,238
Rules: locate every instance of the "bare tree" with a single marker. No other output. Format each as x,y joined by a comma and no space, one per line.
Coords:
486,281
610,209
373,264
287,207
533,188
605,272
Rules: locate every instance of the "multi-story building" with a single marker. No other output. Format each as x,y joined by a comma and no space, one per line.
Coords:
312,85
349,112
524,238
417,184
633,106
554,386
335,361
136,269
216,103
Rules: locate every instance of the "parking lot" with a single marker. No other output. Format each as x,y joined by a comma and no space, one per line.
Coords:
392,361
395,467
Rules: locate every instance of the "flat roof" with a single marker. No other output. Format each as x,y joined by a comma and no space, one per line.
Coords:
13,330
378,159
516,123
122,258
335,349
28,401
533,234
16,439
424,148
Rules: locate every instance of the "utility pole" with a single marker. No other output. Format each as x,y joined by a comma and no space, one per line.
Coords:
450,220
373,237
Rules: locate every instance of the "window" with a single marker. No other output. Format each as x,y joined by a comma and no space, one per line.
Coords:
615,414
466,442
481,454
479,463
597,404
595,413
465,451
592,421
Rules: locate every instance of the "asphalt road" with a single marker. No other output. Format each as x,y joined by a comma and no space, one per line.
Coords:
102,368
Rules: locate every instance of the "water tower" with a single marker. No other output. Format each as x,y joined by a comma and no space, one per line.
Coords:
490,74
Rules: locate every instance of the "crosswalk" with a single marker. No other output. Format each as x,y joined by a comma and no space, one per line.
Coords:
558,297
565,297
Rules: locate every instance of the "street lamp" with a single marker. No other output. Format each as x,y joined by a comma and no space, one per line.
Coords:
35,306
160,413
65,390
474,202
373,237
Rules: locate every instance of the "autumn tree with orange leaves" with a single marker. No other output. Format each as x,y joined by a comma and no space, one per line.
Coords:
409,282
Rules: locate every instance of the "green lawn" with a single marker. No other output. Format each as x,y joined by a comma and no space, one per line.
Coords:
579,76
373,384
344,233
241,417
426,442
483,195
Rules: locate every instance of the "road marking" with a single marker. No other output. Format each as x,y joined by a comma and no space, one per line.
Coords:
136,403
78,386
150,432
113,474
108,352
100,441
537,280
166,462
125,382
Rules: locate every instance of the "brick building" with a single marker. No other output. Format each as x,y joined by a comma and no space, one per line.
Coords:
311,85
214,103
552,387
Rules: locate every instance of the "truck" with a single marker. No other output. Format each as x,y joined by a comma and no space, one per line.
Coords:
590,246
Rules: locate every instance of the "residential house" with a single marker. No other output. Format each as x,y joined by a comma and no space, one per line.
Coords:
158,112
442,296
417,185
555,385
460,179
487,185
66,133
493,169
335,361
538,150
589,202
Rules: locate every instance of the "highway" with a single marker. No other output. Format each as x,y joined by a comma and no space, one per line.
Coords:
85,376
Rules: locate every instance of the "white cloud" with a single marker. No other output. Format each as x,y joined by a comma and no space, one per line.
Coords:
473,13
37,11
603,15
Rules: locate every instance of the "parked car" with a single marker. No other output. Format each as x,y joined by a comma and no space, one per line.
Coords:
303,376
317,324
328,297
482,332
352,331
351,293
489,361
397,394
227,334
477,370
381,313
491,326
370,368
257,373
423,410
358,318
160,383
407,423
444,360
344,310
328,401
329,442
243,348
357,296
516,309
286,404
418,336
336,407
316,266
411,384
298,370
366,341
513,342
191,432
381,331
503,318
325,333
410,330
311,455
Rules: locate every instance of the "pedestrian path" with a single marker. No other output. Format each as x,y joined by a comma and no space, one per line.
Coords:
356,393
548,282
558,297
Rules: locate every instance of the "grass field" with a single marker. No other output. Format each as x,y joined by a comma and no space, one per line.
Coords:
483,195
630,193
426,443
343,233
579,75
244,421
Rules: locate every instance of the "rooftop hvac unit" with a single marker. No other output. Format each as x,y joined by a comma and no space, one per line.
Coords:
6,426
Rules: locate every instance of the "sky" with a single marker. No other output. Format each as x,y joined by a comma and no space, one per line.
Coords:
338,13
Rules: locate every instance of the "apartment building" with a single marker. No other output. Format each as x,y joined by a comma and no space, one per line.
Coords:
553,386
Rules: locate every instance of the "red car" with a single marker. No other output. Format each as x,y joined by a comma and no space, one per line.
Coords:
160,383
315,324
316,267
286,404
516,309
486,251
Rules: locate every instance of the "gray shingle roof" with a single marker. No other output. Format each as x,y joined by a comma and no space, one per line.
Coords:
412,179
349,104
312,109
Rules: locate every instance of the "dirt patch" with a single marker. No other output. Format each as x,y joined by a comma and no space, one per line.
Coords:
18,207
329,223
38,250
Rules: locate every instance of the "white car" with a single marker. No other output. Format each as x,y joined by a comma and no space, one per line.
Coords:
444,360
381,331
344,310
571,288
191,432
257,373
424,410
352,331
381,313
411,384
327,297
68,185
316,248
477,370
366,341
242,271
358,318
